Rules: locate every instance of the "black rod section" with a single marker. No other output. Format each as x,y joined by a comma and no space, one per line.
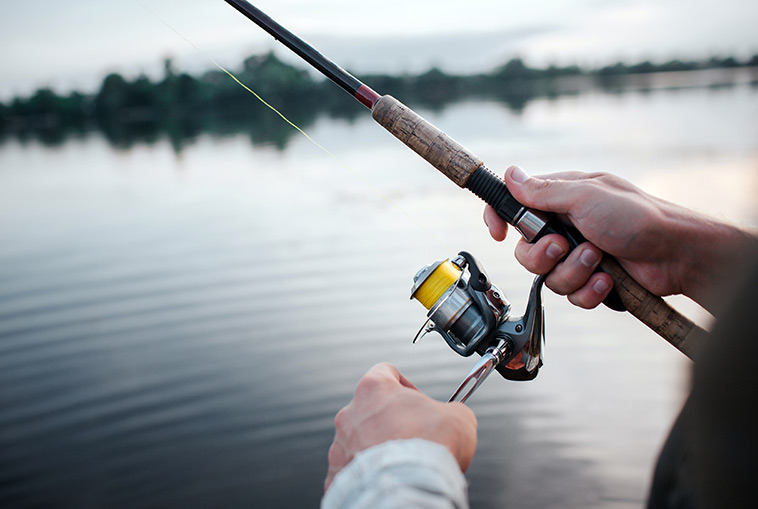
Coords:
493,191
328,68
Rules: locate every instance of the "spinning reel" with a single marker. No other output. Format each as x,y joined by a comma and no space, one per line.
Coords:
472,315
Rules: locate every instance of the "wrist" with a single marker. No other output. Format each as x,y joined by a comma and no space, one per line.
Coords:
394,472
713,254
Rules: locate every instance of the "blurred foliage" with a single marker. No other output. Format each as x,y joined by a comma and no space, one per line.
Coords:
180,106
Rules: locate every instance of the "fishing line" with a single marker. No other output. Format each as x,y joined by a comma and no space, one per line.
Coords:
296,127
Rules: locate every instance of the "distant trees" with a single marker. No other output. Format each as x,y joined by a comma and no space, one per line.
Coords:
620,68
515,69
179,103
143,100
45,109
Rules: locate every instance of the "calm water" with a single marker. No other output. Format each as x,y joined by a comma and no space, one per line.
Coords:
178,329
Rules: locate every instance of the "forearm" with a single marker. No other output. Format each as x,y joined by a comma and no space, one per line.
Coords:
709,255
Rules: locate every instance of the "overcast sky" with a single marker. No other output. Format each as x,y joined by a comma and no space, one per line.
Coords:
73,44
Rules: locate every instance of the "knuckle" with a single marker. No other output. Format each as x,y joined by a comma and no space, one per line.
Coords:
469,416
582,300
530,257
335,454
572,274
457,408
382,366
340,420
367,386
556,285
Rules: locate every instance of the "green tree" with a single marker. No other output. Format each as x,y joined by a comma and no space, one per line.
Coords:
112,96
515,69
4,117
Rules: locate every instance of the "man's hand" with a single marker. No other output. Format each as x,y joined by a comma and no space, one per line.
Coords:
666,248
386,406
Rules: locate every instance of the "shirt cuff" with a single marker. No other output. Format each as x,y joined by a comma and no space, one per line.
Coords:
399,473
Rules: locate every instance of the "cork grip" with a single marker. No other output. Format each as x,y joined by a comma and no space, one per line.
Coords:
458,164
652,310
441,151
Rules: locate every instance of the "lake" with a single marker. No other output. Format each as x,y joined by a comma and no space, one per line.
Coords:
178,326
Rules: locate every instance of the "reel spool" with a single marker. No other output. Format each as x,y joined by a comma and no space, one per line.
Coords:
472,315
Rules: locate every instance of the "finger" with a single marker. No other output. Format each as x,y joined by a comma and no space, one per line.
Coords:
568,175
551,194
405,382
335,464
594,292
379,382
575,270
390,372
329,478
336,456
465,448
383,369
497,226
462,411
542,256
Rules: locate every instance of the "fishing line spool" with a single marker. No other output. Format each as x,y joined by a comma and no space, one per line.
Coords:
473,315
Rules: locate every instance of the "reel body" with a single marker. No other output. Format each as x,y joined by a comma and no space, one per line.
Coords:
472,315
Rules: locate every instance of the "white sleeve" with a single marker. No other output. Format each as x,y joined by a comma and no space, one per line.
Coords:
403,473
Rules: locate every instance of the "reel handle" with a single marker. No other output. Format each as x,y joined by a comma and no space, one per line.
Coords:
468,171
479,373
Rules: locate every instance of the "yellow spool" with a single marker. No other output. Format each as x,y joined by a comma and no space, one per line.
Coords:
437,283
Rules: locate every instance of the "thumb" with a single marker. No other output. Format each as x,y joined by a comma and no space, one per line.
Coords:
550,195
388,371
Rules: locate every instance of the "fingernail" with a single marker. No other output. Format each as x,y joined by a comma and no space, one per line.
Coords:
600,287
554,251
589,258
518,175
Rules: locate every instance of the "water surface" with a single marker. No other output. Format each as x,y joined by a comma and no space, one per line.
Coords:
179,328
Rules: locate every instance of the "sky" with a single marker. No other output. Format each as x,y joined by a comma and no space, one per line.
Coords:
73,44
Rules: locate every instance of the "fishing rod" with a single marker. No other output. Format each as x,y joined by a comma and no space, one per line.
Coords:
468,172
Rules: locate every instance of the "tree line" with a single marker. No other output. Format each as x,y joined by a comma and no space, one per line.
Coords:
181,105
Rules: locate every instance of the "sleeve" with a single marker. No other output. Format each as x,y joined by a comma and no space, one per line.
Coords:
403,473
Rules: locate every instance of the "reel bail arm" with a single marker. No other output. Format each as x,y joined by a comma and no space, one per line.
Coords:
472,315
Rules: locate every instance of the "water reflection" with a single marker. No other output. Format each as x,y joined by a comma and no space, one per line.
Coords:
179,329
238,111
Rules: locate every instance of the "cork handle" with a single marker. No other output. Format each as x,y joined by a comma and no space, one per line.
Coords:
458,164
652,310
440,150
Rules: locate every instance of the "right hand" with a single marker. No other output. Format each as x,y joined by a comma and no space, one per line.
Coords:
666,248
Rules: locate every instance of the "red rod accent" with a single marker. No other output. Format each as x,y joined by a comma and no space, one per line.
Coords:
366,96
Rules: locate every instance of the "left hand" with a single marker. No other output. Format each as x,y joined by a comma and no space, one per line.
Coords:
386,406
